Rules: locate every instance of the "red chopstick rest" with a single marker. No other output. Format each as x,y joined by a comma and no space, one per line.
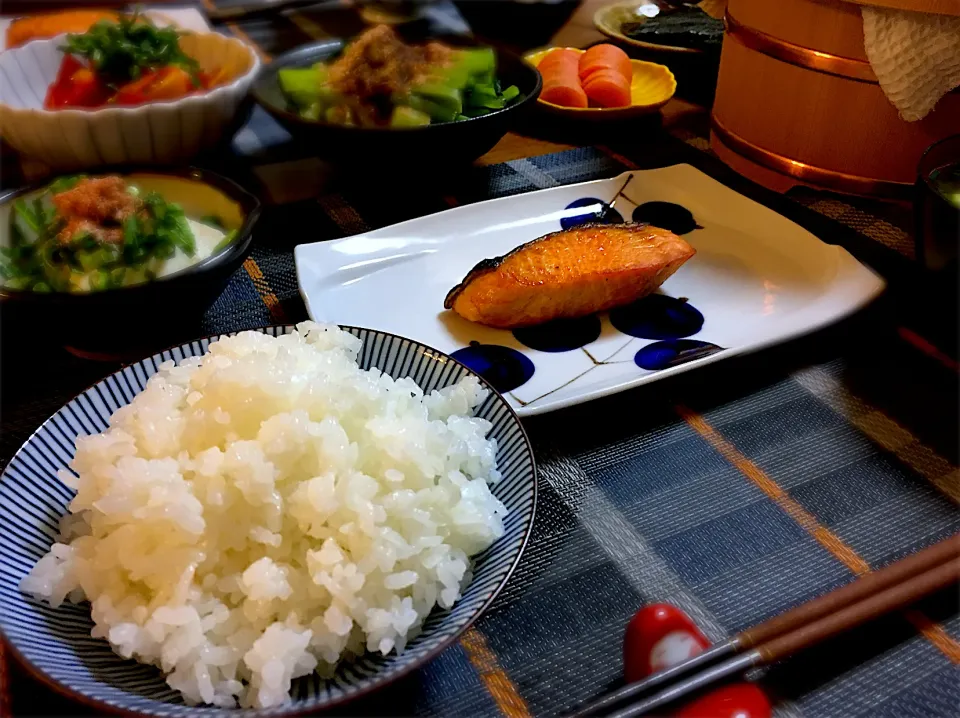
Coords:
736,700
659,636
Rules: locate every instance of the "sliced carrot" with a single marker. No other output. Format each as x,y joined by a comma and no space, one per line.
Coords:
562,87
560,57
564,94
560,54
607,88
561,79
611,74
605,57
607,76
562,75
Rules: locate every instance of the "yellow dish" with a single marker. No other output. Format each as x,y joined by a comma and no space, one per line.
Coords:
652,87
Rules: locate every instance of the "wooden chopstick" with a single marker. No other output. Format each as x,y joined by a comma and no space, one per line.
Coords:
855,591
890,599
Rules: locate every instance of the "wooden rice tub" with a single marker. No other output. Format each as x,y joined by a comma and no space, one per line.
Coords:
798,103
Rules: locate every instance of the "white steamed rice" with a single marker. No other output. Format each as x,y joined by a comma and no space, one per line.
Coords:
270,508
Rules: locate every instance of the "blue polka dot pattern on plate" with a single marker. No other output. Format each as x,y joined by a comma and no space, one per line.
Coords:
503,367
666,215
597,211
657,316
560,335
673,352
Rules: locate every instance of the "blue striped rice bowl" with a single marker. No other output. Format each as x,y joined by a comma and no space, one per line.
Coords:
56,644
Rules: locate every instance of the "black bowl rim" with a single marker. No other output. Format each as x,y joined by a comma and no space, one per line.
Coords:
269,71
280,712
248,202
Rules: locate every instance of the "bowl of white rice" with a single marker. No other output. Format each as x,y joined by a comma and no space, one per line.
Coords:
266,523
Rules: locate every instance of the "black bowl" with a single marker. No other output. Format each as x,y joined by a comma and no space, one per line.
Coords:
126,322
443,143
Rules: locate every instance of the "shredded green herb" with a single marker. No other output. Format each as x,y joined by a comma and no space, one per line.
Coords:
122,51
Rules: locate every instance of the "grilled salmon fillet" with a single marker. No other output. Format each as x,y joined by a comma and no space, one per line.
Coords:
571,273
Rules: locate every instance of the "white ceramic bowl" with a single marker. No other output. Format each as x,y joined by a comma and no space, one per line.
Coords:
154,133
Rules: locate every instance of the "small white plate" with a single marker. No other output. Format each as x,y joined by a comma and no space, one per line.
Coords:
757,279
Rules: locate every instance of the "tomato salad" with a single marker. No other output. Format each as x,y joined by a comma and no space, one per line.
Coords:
128,61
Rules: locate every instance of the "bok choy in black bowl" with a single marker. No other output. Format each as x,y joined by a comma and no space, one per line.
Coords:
145,250
382,97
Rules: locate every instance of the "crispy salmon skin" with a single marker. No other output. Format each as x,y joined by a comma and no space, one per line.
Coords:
571,273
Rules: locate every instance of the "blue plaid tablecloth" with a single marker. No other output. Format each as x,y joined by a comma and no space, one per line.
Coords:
734,492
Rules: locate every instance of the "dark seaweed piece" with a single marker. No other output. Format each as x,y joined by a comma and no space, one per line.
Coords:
687,27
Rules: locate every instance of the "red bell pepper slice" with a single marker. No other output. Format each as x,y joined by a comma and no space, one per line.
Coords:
75,86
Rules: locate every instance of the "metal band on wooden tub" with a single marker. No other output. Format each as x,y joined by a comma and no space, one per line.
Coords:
798,55
824,178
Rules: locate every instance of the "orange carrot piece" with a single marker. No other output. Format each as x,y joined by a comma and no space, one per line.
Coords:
561,69
564,94
560,57
561,81
605,57
607,88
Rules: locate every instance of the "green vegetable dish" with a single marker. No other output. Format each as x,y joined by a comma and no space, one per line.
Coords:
85,234
380,81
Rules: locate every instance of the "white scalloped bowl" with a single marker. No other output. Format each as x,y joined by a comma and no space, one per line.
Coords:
168,132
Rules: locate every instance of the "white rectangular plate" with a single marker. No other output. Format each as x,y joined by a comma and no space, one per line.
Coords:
757,279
